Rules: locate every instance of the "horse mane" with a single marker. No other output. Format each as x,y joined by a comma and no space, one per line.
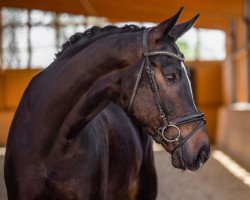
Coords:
94,31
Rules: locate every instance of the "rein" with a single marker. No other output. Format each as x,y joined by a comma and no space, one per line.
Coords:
159,137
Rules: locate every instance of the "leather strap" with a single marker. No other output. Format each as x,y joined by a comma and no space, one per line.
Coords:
164,53
138,79
187,119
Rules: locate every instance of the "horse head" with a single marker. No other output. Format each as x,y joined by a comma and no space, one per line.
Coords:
159,96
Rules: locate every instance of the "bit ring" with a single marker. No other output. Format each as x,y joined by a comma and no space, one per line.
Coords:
162,129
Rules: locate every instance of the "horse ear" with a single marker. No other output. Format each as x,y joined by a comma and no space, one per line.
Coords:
158,32
182,28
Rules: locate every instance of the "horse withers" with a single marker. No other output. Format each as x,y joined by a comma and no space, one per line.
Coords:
48,154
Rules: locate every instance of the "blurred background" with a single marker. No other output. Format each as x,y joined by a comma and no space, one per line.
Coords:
217,51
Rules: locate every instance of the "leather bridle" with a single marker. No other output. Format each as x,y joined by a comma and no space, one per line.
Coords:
159,137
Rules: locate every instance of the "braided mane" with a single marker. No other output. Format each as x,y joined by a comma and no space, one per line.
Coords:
95,30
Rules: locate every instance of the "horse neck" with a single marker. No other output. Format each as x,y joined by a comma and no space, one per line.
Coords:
86,83
104,66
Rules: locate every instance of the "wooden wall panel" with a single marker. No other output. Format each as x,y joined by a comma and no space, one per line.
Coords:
5,121
209,83
237,63
208,92
233,134
14,84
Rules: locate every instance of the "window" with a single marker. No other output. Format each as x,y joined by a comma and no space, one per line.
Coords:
203,44
188,44
31,38
211,44
15,35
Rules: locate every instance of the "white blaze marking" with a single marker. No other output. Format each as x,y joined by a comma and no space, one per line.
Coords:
189,83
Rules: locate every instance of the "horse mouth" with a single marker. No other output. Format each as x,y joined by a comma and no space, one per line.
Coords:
195,168
179,162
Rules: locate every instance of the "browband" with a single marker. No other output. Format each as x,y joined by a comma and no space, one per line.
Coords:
164,53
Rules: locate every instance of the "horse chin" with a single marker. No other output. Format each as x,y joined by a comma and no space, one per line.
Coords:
194,168
178,162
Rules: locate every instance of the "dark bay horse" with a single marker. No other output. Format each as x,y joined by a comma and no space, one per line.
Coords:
55,151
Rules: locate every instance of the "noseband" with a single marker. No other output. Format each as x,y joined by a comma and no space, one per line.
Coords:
159,137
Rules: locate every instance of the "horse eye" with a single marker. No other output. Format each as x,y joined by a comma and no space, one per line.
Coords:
171,77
